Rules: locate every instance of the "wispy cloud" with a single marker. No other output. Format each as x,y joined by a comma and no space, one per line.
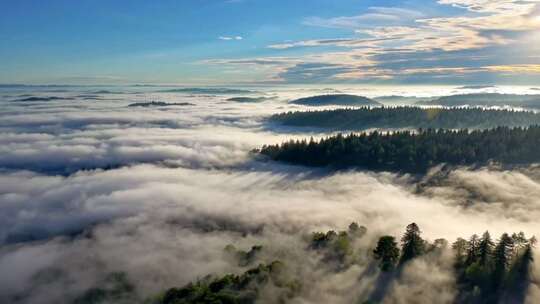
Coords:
376,15
228,38
392,43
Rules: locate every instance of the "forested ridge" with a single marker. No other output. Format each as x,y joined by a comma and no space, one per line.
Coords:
487,99
414,152
335,99
407,117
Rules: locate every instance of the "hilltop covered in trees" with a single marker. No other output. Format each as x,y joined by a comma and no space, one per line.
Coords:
335,99
412,152
486,270
487,99
249,99
216,91
407,117
159,104
400,100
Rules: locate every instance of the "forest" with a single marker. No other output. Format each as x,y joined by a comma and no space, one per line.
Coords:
249,99
487,99
485,270
159,104
335,99
412,152
407,117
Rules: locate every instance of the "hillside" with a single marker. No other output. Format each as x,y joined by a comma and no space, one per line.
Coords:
413,152
406,117
211,91
248,99
336,99
487,99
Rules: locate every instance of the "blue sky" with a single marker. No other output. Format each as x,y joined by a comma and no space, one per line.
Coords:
270,42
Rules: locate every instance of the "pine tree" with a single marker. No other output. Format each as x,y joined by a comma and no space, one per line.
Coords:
460,248
472,250
502,256
411,243
387,252
485,248
520,276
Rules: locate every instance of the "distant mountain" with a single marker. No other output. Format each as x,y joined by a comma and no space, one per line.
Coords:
336,99
105,92
159,104
248,99
406,117
217,91
45,98
487,99
12,85
476,87
397,99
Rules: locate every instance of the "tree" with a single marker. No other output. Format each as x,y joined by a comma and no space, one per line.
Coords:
521,270
356,230
485,248
387,252
472,251
502,256
460,248
406,151
412,245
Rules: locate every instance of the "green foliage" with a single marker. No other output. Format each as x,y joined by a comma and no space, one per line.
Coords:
412,245
492,273
115,288
486,271
356,230
407,117
335,99
248,99
487,99
232,289
387,252
243,258
460,249
413,152
337,247
485,248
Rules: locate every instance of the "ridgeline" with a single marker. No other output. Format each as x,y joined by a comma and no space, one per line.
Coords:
407,117
413,152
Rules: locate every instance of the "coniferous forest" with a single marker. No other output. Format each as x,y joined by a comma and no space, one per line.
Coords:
486,270
413,152
407,117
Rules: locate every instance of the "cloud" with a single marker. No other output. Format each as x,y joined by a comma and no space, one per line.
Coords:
228,38
187,187
375,16
492,6
516,68
498,31
169,219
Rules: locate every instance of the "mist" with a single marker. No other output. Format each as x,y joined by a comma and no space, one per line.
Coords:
91,188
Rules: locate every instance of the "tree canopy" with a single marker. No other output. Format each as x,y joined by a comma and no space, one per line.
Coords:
407,117
413,152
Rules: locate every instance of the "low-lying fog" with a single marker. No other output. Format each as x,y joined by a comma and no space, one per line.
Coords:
90,186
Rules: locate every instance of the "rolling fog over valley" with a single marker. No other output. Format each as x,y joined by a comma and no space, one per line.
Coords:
153,194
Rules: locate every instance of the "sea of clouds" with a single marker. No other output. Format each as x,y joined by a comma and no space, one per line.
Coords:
91,186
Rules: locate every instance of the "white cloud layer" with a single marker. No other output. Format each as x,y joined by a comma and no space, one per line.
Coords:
187,187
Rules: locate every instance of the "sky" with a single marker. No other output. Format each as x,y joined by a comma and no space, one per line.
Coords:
262,42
